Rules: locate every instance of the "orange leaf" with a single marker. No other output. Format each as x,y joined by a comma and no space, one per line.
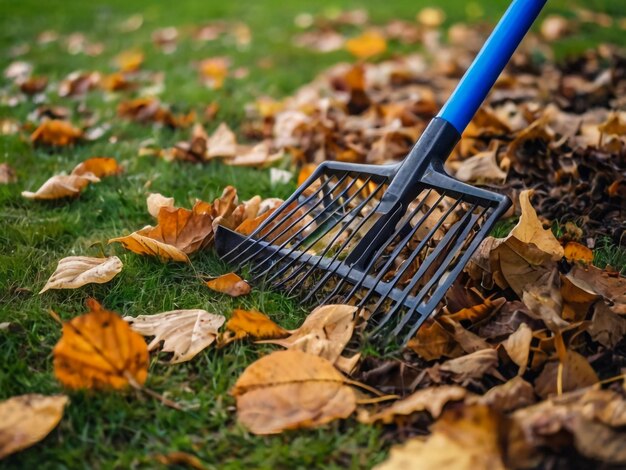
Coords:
99,166
61,186
100,350
253,323
306,171
214,71
230,284
56,133
577,252
368,44
478,312
129,61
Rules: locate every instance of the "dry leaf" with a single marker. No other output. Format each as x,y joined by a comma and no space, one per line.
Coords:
98,166
7,174
252,323
596,281
530,230
184,332
62,186
258,157
576,252
76,271
481,168
27,419
289,390
214,71
99,350
432,399
509,396
56,133
463,439
368,44
433,341
129,61
179,232
576,373
325,332
607,328
222,143
155,201
230,284
517,346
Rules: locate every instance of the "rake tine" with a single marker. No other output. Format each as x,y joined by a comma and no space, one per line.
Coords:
380,251
278,212
422,269
341,248
431,304
459,241
354,211
289,226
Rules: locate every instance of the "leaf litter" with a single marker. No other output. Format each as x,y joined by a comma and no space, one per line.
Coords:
526,356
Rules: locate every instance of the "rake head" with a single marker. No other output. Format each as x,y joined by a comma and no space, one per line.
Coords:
344,237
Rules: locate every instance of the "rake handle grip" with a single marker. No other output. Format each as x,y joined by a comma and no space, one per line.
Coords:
489,63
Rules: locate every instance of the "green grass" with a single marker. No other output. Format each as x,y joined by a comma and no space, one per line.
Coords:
115,430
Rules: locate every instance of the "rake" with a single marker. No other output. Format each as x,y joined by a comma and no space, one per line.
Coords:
390,238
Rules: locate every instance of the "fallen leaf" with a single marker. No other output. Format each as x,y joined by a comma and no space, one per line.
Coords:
465,368
179,458
431,17
607,328
56,133
62,186
98,166
155,201
258,157
368,44
597,281
179,232
576,373
432,399
290,390
530,230
27,419
99,350
183,332
230,284
576,252
462,439
76,271
213,71
481,168
433,341
253,323
517,346
129,60
7,174
222,143
509,396
325,332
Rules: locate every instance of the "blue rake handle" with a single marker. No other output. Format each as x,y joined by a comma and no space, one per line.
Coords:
489,63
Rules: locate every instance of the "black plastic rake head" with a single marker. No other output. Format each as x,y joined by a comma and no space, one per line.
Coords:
391,238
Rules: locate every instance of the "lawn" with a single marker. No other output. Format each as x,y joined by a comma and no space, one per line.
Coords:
102,430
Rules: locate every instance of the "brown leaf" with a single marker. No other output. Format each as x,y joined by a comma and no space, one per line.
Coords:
183,332
290,390
517,346
544,300
179,232
99,350
596,281
7,174
62,186
509,396
607,328
76,271
257,157
179,458
432,399
466,438
325,332
468,367
480,168
576,373
27,419
56,133
253,323
433,341
98,166
230,284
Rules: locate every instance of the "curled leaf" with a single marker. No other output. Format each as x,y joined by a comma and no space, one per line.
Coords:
183,332
76,271
62,186
253,323
98,166
230,284
56,133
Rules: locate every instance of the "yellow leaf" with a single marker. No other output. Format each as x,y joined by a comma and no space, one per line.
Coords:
230,284
62,186
56,133
27,419
129,61
253,323
183,332
76,271
214,71
576,252
290,390
99,350
368,44
98,166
